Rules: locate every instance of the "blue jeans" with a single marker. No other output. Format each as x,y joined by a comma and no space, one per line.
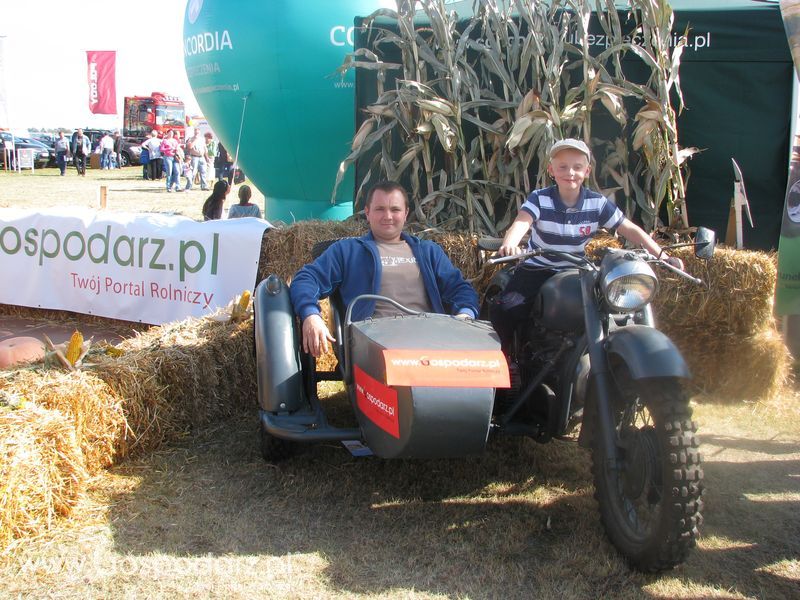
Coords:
198,164
61,161
105,159
173,171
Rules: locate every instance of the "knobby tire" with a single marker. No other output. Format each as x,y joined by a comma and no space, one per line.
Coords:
651,508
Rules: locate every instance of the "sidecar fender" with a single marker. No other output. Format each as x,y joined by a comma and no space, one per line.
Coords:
278,367
647,352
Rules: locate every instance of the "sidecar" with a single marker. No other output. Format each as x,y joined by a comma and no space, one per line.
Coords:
420,385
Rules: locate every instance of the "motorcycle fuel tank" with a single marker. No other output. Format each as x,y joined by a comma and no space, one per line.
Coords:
423,386
560,305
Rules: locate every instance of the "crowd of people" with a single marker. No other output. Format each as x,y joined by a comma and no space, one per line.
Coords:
201,159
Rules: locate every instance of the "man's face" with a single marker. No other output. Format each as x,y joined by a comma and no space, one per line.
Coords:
386,215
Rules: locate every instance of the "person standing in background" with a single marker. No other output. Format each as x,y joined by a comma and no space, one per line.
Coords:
153,145
169,149
211,151
117,150
106,150
196,152
224,164
81,148
61,147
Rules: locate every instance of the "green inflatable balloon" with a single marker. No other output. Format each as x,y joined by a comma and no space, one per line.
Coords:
263,73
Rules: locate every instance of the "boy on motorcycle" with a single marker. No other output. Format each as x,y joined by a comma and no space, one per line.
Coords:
562,217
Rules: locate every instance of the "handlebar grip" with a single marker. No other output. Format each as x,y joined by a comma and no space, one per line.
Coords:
490,244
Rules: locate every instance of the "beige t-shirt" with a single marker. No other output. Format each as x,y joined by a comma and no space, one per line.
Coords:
400,280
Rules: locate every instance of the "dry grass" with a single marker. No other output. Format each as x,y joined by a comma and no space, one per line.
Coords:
127,192
209,518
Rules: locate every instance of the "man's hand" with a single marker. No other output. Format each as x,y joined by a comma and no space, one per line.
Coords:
462,316
316,336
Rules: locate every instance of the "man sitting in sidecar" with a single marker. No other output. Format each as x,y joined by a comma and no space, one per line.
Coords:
386,261
421,382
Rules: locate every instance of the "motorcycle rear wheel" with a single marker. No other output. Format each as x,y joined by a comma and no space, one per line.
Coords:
651,506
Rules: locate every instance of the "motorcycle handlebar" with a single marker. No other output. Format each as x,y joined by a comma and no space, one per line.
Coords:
581,261
578,261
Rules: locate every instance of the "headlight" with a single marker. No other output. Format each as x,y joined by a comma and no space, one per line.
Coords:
628,283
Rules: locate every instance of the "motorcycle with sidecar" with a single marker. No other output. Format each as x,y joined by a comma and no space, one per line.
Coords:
430,386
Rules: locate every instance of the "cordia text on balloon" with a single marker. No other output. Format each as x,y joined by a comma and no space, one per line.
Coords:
208,41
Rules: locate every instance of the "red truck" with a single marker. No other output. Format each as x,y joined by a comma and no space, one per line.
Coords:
143,114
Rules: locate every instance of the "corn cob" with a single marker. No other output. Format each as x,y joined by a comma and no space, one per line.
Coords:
244,301
74,348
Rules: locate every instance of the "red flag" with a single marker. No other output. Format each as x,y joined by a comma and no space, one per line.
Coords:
102,84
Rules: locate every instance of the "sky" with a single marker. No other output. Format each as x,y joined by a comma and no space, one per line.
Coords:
43,70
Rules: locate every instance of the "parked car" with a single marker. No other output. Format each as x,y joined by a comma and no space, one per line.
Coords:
41,153
48,139
130,152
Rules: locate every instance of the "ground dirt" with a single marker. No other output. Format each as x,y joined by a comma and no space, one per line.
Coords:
208,518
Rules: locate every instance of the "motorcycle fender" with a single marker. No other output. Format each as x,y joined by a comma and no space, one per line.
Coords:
278,367
647,352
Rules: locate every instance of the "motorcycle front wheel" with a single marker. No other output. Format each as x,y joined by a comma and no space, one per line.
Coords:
650,505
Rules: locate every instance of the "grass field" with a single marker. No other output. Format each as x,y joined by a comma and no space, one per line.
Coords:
208,518
126,191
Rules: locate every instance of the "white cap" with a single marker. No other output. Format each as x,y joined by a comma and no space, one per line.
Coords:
578,145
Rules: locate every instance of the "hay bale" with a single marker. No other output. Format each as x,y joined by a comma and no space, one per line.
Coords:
731,367
42,473
726,331
284,251
86,402
181,375
738,300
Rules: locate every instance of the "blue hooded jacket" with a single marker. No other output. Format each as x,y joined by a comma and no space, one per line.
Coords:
353,267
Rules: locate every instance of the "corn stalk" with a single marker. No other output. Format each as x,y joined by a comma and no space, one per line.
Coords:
467,113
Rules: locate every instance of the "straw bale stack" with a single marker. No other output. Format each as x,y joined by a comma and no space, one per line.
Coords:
285,250
165,382
42,471
739,297
181,375
86,401
726,331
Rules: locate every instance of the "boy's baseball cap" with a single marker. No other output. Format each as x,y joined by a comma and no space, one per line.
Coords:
572,143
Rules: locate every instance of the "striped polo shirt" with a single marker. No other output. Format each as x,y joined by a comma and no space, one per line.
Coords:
567,228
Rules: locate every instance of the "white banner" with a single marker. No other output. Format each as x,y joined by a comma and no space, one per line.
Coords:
150,268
